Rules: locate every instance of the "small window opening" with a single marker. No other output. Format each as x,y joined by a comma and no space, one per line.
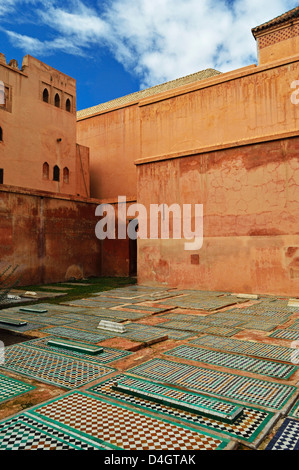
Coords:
56,173
46,96
68,105
57,101
1,175
66,175
46,171
1,134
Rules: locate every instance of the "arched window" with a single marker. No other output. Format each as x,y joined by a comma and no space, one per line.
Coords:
46,96
56,173
57,100
45,171
66,175
1,134
68,105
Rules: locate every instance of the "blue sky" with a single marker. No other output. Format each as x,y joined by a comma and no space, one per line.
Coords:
116,47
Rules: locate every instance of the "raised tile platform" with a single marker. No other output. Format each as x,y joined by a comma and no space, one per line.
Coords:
248,427
250,348
233,361
63,371
75,346
221,384
187,401
285,334
10,322
76,334
108,354
32,310
112,326
122,427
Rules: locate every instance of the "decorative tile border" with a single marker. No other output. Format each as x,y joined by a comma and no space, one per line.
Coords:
250,348
287,436
222,384
294,413
122,427
222,359
247,427
11,388
57,369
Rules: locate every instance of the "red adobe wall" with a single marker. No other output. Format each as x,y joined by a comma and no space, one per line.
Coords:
50,237
250,200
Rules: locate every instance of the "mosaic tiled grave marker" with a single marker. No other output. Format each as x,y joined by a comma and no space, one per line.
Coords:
250,348
75,346
80,335
177,334
143,333
201,319
108,354
285,334
287,436
54,368
247,427
184,326
187,401
25,432
197,327
223,384
21,329
33,310
10,388
7,321
122,427
256,366
197,303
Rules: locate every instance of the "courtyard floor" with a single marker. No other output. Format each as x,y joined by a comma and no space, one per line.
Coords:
193,370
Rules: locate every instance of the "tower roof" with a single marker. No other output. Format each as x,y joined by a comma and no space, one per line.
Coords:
289,15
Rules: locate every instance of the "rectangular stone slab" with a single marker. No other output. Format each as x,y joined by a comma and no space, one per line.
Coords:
191,402
8,321
112,326
75,346
32,310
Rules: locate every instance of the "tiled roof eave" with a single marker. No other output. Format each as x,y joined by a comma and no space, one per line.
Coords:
289,15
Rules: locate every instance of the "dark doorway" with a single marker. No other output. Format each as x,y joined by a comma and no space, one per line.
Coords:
133,250
133,257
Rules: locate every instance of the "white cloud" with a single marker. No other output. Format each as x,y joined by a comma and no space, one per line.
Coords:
157,40
35,46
